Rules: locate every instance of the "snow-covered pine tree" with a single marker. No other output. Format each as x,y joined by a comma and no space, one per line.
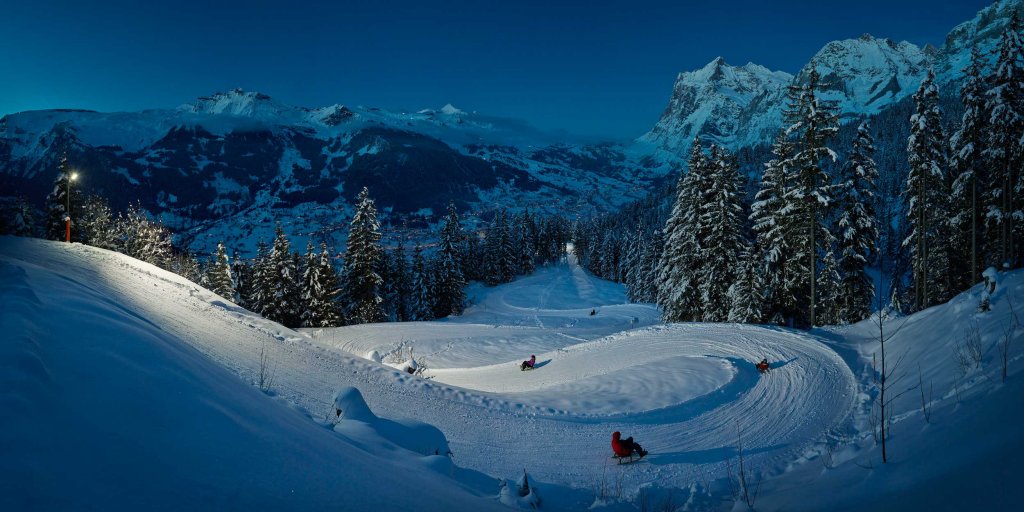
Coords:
321,310
401,282
677,287
927,199
283,301
746,302
855,200
310,279
186,265
499,255
652,255
525,243
219,275
260,288
57,204
387,290
608,258
634,265
449,282
1004,152
242,273
96,223
361,258
721,241
24,219
421,301
812,122
473,258
143,239
773,226
966,220
829,290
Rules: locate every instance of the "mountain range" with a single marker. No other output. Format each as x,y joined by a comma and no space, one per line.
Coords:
231,165
742,106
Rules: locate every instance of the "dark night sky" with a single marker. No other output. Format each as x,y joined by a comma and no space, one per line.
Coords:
591,67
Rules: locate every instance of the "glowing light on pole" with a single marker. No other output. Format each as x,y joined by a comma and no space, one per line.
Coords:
67,215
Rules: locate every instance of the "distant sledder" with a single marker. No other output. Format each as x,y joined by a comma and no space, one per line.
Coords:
625,449
763,367
528,364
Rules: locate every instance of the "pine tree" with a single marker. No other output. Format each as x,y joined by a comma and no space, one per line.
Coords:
829,291
24,219
186,265
812,123
966,221
242,273
927,195
721,240
283,280
449,282
96,223
320,290
746,300
402,283
855,199
1004,152
361,257
143,239
421,306
499,256
219,274
260,288
773,226
677,286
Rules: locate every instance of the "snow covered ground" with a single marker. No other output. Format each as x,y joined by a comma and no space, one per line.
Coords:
114,373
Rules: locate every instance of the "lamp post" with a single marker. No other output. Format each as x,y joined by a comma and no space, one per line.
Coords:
67,215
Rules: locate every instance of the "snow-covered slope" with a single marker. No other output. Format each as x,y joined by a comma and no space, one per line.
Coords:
743,106
104,407
121,393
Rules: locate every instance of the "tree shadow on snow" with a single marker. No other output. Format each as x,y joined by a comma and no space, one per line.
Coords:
705,456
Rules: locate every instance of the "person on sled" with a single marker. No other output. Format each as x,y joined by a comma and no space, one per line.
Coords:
528,365
763,366
626,447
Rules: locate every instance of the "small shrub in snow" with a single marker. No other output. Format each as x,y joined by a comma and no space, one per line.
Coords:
521,494
265,378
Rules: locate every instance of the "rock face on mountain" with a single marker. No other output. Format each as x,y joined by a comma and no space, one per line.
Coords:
741,106
230,165
720,102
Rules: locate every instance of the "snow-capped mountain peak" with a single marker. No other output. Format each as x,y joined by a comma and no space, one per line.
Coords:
450,110
238,102
714,101
865,74
743,106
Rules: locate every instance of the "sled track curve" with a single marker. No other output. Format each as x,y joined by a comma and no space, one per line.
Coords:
810,390
779,415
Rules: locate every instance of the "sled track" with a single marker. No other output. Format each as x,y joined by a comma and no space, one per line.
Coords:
809,390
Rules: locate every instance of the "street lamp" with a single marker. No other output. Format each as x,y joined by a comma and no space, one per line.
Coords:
67,215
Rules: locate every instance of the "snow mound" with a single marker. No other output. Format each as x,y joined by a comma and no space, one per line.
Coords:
415,436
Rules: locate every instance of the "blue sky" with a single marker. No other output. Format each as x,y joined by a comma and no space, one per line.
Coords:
592,68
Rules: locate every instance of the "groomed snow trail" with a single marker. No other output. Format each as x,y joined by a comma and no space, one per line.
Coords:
682,390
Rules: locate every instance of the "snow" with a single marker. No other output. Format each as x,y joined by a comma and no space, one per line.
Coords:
130,387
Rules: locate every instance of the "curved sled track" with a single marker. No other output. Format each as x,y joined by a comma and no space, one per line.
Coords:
780,414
